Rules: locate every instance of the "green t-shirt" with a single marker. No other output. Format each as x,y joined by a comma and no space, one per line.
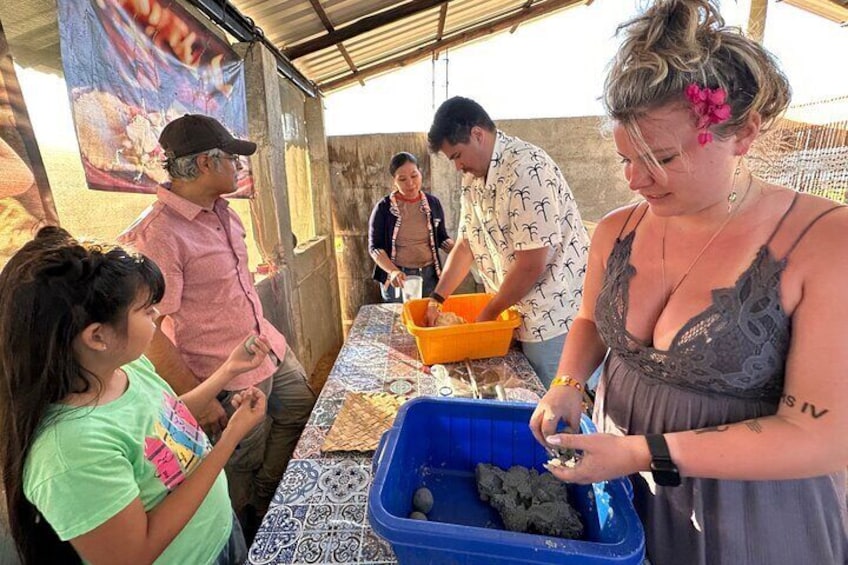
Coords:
90,463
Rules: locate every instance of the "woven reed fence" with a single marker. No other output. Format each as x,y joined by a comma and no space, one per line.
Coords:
808,150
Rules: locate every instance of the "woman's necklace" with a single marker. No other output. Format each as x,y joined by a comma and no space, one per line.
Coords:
703,249
403,198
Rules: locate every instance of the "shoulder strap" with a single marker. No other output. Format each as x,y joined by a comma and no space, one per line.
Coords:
806,229
630,215
783,217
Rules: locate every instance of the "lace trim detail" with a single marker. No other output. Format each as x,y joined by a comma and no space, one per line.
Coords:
737,346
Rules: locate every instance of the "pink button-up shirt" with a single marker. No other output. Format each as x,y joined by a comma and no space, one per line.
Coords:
209,293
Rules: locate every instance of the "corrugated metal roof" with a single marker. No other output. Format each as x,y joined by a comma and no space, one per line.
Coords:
389,34
335,43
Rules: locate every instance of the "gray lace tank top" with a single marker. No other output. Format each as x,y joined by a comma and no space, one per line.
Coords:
736,347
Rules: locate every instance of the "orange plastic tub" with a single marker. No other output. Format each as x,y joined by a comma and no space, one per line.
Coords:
474,340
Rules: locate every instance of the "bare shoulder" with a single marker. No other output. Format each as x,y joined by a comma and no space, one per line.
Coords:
618,222
824,217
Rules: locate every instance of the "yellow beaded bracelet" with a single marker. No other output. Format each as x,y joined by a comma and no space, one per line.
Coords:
565,380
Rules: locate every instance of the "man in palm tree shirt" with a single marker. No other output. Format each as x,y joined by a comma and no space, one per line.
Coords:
519,225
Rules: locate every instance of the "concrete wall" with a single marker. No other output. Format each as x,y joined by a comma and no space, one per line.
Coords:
300,295
296,150
587,157
359,176
317,308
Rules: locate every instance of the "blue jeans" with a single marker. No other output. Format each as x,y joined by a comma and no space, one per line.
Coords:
544,357
430,280
235,551
255,468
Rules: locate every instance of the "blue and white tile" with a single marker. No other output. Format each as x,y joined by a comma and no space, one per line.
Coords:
345,482
277,537
299,484
340,546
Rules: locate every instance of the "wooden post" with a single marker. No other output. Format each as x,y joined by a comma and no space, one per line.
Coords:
757,20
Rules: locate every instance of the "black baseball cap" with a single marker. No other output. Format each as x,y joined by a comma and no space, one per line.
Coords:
196,133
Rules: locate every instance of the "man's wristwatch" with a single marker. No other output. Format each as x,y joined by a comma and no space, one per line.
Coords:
436,297
662,467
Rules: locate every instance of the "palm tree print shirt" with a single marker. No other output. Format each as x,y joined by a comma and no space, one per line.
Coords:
524,203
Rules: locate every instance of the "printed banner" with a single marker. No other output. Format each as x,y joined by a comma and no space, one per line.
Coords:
26,202
132,66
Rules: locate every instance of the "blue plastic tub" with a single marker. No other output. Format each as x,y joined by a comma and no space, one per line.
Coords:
437,443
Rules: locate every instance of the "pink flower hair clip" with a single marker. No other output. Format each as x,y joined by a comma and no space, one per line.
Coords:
710,107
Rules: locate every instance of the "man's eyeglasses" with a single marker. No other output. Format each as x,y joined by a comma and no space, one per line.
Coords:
236,159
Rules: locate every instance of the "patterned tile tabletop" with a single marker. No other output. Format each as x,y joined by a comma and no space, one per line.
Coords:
318,514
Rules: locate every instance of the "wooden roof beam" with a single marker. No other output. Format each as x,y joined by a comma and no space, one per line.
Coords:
833,10
443,16
359,27
464,37
526,6
322,15
349,62
328,25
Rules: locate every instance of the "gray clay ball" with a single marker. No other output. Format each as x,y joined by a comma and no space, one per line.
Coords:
418,516
422,500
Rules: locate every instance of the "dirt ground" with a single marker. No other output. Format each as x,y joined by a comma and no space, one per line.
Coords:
321,371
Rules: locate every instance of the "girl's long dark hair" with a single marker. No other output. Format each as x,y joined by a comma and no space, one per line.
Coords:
52,289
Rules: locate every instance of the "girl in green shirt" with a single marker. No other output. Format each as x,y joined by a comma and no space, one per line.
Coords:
97,450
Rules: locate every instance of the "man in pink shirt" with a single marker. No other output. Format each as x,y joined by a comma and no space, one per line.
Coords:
210,303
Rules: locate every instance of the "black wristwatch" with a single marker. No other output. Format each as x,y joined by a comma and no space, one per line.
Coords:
662,467
437,297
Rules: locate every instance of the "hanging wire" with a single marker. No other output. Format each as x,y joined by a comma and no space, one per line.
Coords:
447,74
433,57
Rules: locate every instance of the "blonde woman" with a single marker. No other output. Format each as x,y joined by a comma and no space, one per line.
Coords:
719,296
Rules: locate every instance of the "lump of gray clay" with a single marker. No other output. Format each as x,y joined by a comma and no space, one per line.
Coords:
422,500
529,502
418,516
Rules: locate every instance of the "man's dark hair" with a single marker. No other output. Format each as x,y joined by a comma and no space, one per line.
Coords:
453,122
400,160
